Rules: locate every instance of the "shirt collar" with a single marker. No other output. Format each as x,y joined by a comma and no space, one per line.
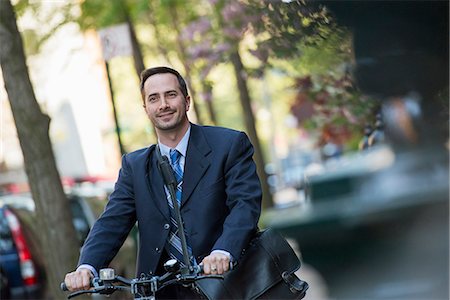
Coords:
181,147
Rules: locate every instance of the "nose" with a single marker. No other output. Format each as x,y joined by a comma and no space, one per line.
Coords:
163,104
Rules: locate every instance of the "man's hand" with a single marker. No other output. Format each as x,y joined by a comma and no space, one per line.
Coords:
78,280
216,263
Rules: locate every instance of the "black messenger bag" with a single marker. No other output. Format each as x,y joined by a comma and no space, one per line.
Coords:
265,271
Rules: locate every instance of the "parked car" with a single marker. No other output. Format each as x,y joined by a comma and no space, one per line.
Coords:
22,271
19,274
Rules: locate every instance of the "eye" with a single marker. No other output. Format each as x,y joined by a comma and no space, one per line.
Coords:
152,99
172,95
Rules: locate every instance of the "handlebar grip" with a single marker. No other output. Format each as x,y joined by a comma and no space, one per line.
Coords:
63,287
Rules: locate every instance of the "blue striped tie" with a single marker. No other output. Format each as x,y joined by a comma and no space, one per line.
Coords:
174,243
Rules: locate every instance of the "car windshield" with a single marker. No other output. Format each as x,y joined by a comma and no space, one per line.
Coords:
18,201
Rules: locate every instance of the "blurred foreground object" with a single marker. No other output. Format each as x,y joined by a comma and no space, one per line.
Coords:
376,224
401,52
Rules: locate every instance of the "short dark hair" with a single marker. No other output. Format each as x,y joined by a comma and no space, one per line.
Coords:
162,70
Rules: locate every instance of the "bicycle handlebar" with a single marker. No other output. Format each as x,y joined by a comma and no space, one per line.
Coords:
140,287
120,279
63,287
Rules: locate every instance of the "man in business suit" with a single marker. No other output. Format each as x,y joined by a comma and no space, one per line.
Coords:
219,192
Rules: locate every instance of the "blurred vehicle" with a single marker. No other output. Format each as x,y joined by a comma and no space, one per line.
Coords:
19,276
83,216
370,218
20,211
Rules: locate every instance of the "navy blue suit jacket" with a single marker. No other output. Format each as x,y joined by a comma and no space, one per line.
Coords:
221,201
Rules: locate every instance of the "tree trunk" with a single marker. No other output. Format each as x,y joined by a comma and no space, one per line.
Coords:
208,93
138,58
137,53
244,97
160,44
52,207
183,57
114,107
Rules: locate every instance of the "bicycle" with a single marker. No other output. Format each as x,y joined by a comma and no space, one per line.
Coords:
146,286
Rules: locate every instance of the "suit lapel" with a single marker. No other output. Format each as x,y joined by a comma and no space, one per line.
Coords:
155,185
196,162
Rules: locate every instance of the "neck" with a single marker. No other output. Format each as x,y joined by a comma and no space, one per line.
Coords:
171,138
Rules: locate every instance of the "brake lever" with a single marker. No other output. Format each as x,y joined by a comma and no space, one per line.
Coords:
193,278
103,289
93,291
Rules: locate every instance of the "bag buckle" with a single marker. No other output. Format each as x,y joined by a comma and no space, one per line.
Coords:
296,285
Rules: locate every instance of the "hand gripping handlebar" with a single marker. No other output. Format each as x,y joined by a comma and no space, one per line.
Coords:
146,286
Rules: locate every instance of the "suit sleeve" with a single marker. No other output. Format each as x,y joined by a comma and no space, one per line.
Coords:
111,229
243,198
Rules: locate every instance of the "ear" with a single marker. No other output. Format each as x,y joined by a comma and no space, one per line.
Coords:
188,102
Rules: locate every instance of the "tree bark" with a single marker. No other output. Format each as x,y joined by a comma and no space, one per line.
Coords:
138,58
52,207
244,97
207,90
183,57
160,45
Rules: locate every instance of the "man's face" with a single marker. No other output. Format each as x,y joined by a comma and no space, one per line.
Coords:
164,103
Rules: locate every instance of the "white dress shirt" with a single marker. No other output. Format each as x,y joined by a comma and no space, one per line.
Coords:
182,148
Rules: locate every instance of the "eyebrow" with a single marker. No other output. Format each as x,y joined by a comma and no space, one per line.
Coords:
154,94
166,92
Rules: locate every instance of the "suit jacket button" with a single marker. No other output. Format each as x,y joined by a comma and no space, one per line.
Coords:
166,226
157,249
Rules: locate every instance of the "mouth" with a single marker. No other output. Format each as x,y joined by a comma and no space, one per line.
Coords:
166,114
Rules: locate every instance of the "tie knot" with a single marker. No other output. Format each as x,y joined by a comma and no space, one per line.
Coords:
174,156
